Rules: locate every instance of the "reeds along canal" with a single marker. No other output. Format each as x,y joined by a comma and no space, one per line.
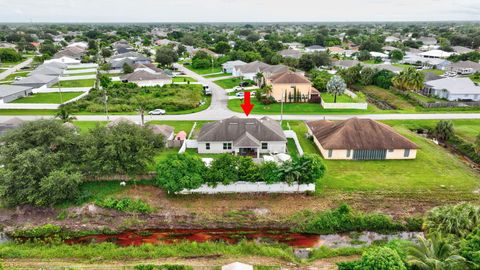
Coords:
297,240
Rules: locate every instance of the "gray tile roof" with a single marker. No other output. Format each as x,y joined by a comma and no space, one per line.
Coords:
35,79
8,90
235,129
142,75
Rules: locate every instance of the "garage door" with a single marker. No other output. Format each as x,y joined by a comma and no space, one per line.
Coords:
369,154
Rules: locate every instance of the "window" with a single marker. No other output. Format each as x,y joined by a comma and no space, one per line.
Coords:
349,152
330,152
227,146
406,153
207,146
264,145
390,150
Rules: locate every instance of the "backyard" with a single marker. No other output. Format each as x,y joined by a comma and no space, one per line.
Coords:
52,98
74,83
231,82
329,98
388,96
203,71
183,79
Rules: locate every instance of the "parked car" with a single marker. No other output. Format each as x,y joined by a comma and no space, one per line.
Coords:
239,94
238,88
157,112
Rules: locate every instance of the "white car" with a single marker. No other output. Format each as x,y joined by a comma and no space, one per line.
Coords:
157,112
239,94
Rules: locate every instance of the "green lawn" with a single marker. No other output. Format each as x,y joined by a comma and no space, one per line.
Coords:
228,83
404,66
432,168
53,98
475,78
75,83
425,98
292,148
12,76
329,98
296,108
2,70
218,75
204,71
79,68
26,112
183,79
85,126
388,96
11,64
434,71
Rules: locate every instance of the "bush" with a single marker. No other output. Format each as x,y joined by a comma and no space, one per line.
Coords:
162,267
178,172
44,231
458,220
126,205
470,248
380,258
344,219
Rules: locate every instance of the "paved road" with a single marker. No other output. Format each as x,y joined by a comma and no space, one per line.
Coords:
218,110
13,69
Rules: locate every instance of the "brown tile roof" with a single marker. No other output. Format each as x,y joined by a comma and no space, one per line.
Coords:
288,77
358,134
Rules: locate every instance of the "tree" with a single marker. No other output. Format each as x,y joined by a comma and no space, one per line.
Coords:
364,55
351,75
127,68
320,79
435,253
166,56
336,86
310,167
106,52
223,169
9,55
458,220
380,258
125,149
383,78
222,47
470,248
64,115
259,79
41,161
180,171
409,79
396,55
366,75
477,144
443,131
306,62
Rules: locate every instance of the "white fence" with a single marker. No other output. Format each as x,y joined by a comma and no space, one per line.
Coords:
28,106
292,135
75,78
79,71
358,106
248,187
64,89
83,65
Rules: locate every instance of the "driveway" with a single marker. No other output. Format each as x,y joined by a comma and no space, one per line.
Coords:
13,69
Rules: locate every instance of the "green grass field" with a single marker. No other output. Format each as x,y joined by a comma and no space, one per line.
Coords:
434,71
204,71
218,75
75,83
389,97
228,83
183,79
53,98
12,77
329,98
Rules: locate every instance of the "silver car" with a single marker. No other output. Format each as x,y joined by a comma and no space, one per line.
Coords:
157,112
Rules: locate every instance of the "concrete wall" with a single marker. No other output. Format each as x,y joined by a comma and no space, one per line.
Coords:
256,187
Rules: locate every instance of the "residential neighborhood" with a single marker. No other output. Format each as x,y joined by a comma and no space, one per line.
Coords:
216,135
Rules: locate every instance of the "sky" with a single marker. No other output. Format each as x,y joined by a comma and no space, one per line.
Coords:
78,11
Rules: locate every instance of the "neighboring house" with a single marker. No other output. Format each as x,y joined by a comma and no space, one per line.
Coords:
249,71
388,67
119,120
342,64
228,67
9,93
48,69
336,50
461,49
37,81
131,58
290,53
464,67
288,84
243,136
315,48
74,52
10,124
64,59
81,44
453,89
428,41
360,139
181,136
294,45
430,76
391,39
383,56
209,52
166,131
388,49
435,54
145,78
437,63
121,49
147,67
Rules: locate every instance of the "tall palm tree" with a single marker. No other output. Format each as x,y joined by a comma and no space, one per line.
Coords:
259,79
409,79
435,253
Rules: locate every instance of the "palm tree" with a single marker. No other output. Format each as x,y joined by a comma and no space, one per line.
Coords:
267,89
259,79
443,130
141,103
336,86
64,115
434,254
409,79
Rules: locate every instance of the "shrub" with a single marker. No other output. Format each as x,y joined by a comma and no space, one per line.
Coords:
43,231
380,258
470,248
458,220
179,172
162,267
126,205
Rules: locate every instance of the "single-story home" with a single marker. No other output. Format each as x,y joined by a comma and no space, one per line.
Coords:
290,53
249,71
64,59
74,52
453,89
383,56
315,48
391,39
360,139
464,67
345,63
461,50
47,69
165,130
288,84
130,58
428,41
228,67
37,80
145,78
243,136
10,124
435,54
9,93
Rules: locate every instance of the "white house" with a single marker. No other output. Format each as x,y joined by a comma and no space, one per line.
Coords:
435,54
145,78
453,89
242,136
315,48
65,60
228,67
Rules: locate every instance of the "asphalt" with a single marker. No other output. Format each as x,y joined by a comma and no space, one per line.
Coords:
218,110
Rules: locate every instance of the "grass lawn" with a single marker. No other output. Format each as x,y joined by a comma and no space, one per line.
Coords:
426,99
183,79
2,70
11,64
371,62
53,98
85,126
229,83
434,71
218,75
75,83
292,148
79,68
113,74
12,76
389,97
475,78
404,66
208,101
79,74
204,71
296,108
329,98
432,168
